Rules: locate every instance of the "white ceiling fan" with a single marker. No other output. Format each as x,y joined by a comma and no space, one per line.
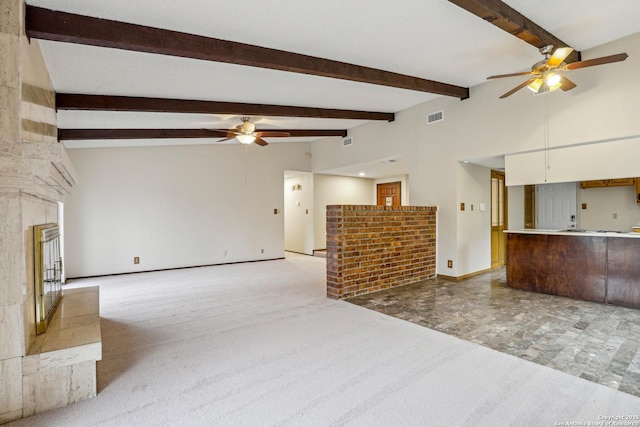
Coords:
246,133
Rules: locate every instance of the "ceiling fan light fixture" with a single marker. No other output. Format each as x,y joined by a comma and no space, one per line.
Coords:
535,85
246,139
553,81
247,126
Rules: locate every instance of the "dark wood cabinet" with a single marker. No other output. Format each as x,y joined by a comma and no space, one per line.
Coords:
586,267
623,272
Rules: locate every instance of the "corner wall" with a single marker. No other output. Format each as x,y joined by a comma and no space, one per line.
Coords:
337,190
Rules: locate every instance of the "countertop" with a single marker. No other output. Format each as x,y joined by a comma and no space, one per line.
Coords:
578,232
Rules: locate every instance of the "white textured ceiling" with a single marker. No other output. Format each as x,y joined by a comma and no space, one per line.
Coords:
432,39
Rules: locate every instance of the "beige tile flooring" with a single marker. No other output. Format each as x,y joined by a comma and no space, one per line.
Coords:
598,342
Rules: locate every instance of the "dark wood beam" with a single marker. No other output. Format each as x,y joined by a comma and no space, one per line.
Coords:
510,20
90,134
71,28
72,101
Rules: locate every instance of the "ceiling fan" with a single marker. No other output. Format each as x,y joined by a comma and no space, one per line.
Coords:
547,75
246,133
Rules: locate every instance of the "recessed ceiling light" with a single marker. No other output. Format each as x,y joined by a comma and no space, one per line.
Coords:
389,161
361,174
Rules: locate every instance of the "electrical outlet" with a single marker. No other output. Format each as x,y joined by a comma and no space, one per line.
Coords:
136,260
461,206
224,253
615,216
450,263
261,251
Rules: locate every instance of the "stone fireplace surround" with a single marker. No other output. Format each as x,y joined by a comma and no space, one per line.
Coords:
35,174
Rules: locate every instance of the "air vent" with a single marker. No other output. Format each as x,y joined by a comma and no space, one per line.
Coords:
346,142
438,116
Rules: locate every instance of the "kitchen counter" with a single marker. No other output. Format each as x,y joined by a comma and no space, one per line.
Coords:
578,232
587,265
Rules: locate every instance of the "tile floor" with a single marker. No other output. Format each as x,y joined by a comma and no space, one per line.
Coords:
598,342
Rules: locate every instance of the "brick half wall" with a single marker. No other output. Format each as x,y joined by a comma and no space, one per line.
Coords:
370,248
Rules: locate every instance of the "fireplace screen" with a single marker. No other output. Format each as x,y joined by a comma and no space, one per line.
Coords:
48,273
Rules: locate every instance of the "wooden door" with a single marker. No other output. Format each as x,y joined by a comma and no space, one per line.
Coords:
389,194
498,219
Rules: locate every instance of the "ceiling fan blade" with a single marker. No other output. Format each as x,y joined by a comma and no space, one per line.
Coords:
566,84
219,133
596,61
517,88
272,134
261,142
558,57
524,73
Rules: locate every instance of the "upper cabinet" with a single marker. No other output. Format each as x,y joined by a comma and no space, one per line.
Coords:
620,182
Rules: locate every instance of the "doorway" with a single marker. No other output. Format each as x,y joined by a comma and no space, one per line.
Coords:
388,194
298,212
498,219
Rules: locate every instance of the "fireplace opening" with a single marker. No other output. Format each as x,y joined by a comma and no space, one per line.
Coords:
48,273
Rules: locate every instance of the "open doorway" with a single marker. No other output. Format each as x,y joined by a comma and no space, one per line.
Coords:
298,212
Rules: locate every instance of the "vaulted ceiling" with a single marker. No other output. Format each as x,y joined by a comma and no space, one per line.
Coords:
164,70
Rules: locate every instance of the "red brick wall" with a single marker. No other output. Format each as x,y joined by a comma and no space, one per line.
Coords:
370,248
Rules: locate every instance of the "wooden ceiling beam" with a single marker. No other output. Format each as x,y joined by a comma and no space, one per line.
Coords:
102,134
72,101
510,20
71,28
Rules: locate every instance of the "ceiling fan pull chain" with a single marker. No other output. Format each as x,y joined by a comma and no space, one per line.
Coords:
246,150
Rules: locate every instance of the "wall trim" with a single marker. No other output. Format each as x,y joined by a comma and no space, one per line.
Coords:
173,268
466,276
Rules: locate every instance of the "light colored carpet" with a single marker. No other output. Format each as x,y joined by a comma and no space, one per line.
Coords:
259,344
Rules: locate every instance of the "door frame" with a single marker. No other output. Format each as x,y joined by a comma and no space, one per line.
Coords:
398,183
498,240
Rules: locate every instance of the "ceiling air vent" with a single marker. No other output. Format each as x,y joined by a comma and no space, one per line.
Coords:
438,116
347,141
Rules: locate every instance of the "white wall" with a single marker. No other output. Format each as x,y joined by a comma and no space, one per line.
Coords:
603,203
337,190
474,237
176,206
516,207
602,108
299,213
